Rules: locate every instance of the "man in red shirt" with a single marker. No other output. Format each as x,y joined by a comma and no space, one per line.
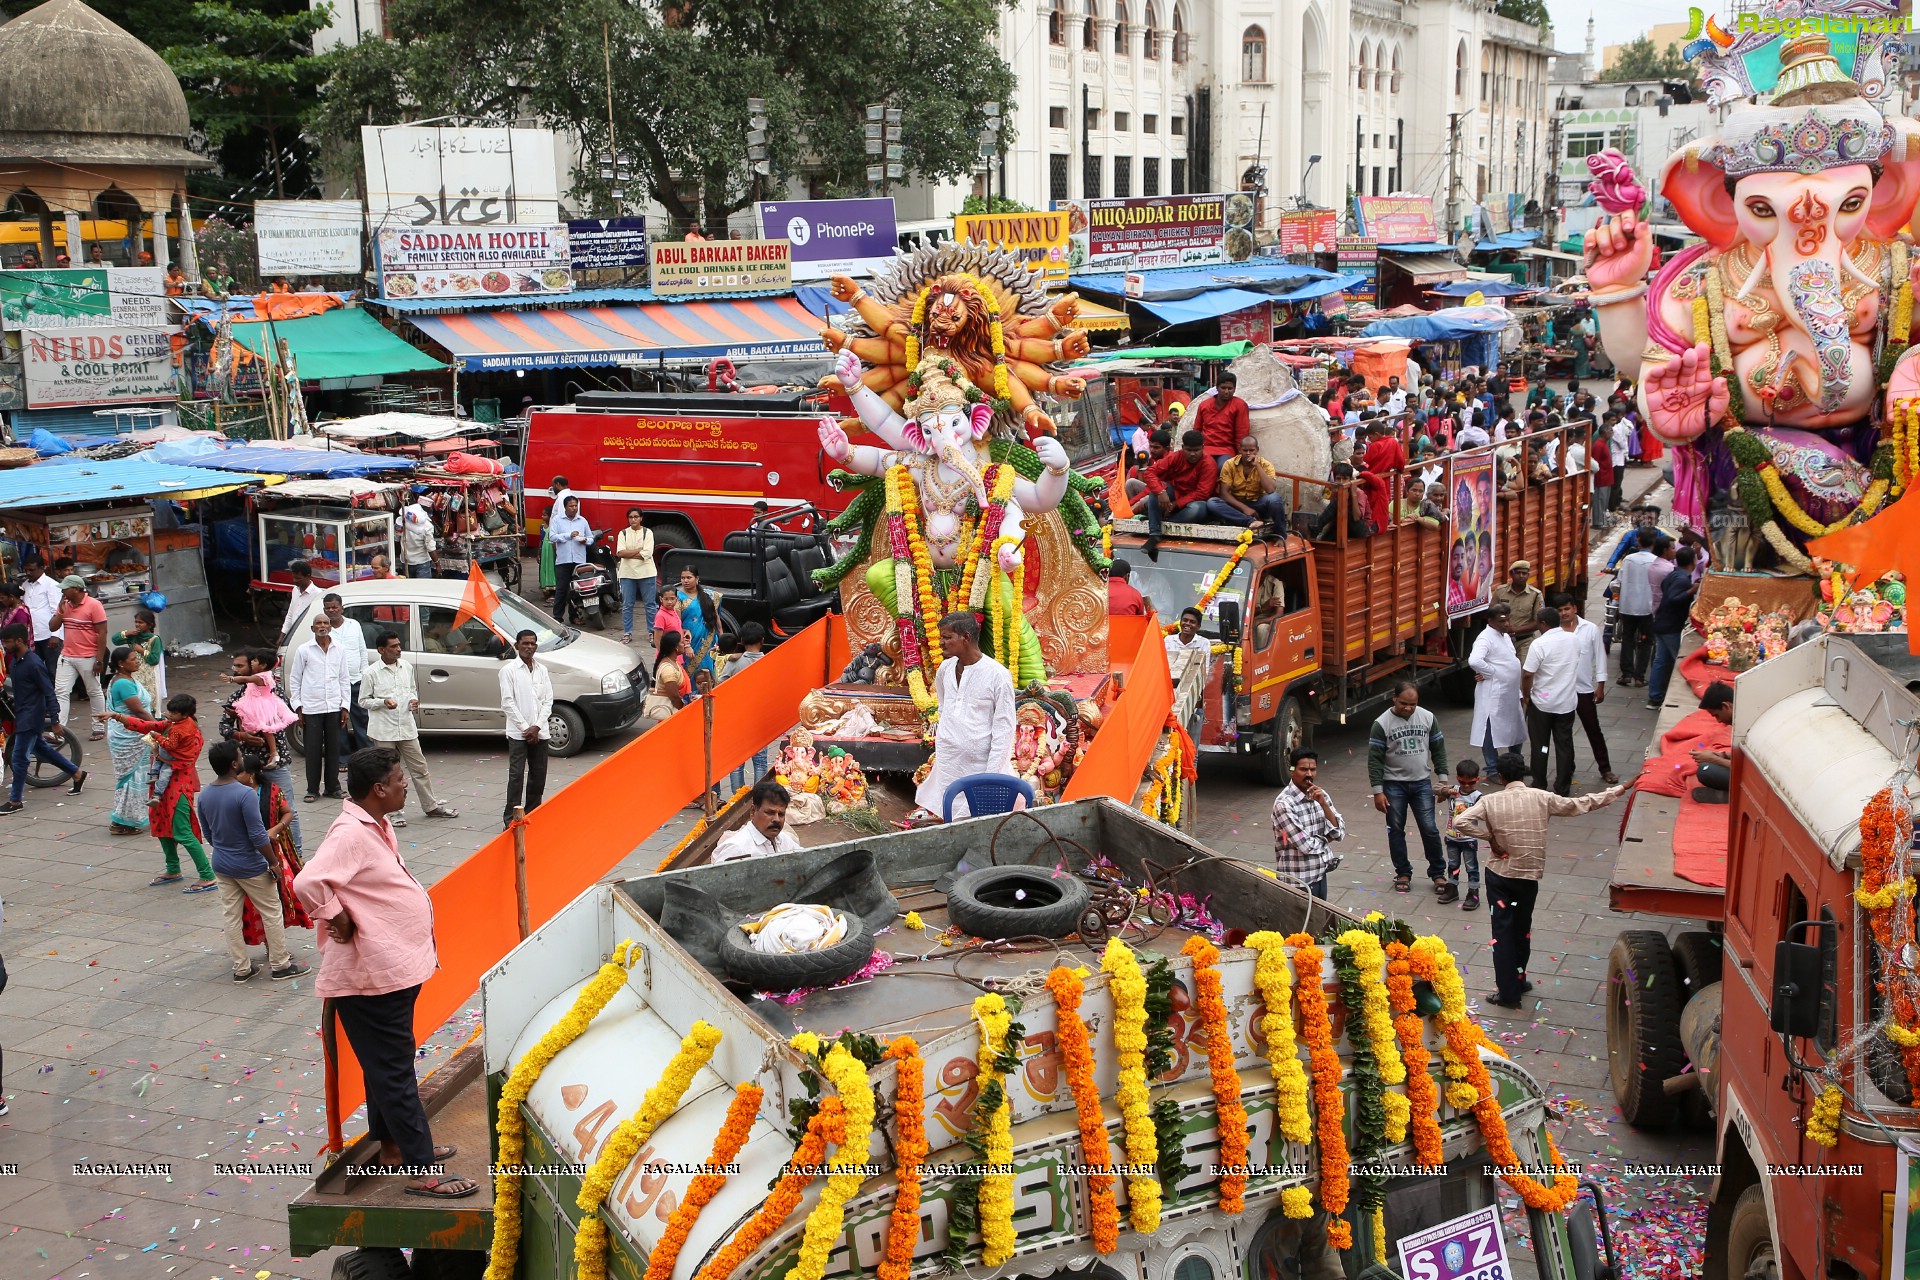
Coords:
1222,418
1385,454
1123,598
1600,454
1178,487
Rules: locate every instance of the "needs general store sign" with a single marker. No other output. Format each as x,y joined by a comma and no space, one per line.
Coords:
66,367
683,268
472,262
83,298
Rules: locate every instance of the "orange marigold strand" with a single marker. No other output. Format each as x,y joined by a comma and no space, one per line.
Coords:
826,1127
1329,1109
734,1131
1076,1054
1428,1145
1232,1116
910,1149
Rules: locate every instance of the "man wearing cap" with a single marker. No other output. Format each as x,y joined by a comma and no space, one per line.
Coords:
83,621
1525,601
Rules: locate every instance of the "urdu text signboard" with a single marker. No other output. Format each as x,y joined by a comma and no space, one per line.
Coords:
1391,220
83,298
308,237
602,243
1159,231
685,268
67,367
474,262
461,177
833,237
1040,239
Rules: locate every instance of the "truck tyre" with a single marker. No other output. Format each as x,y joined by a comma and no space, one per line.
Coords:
1696,954
41,774
448,1264
1289,731
1643,1026
568,729
668,536
820,968
1750,1238
371,1264
1013,902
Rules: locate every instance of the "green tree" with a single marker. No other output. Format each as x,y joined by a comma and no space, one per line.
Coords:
978,204
1532,12
1639,60
681,75
252,77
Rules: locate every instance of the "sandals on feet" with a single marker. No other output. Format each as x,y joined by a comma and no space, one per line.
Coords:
447,1188
205,886
1403,884
157,881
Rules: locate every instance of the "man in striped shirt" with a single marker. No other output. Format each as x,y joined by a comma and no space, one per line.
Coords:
1304,824
1513,822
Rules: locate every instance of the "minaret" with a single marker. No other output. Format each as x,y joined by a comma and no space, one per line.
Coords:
1587,68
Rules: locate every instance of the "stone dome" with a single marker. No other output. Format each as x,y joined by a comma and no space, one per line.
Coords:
77,89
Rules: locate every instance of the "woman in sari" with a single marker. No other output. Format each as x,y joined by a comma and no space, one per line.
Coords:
132,753
145,641
283,858
700,620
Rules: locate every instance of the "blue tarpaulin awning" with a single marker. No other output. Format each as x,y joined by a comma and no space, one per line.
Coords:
1489,288
1173,284
1441,326
80,483
266,460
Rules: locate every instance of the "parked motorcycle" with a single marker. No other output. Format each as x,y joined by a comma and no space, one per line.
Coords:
596,594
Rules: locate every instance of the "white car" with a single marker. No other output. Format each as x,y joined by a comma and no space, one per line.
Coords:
597,683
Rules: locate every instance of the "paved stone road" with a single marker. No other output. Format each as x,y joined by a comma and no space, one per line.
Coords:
126,1043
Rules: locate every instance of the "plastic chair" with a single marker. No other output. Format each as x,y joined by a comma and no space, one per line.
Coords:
986,793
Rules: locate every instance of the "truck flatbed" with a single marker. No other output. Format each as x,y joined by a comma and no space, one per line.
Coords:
1643,877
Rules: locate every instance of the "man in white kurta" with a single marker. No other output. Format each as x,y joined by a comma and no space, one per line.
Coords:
975,732
1499,724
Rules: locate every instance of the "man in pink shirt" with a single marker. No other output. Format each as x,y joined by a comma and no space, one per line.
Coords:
375,951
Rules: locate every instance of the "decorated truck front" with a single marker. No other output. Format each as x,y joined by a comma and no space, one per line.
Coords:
1018,1105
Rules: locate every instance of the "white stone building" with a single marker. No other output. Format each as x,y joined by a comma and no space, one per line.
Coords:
1638,118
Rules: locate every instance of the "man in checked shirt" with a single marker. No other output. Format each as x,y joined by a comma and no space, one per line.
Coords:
1304,824
1513,822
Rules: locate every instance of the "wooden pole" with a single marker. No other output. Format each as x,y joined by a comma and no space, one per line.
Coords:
520,868
706,744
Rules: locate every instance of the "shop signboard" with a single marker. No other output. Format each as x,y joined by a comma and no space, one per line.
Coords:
83,298
1470,549
1040,239
66,367
1396,219
689,268
418,177
1470,1247
833,237
1254,325
308,237
1362,258
601,243
474,262
1158,231
1309,230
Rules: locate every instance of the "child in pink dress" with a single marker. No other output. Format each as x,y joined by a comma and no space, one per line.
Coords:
261,710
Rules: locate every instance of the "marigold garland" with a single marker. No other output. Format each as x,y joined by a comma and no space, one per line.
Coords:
846,1173
1076,1058
661,1101
909,1152
827,1126
1273,979
1423,1096
503,1255
1378,1222
1211,1006
1296,1202
700,825
1219,580
1329,1108
906,621
1823,1126
1128,988
925,587
734,1131
1885,829
996,1184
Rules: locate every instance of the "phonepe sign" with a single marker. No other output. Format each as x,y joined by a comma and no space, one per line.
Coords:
1469,1247
833,237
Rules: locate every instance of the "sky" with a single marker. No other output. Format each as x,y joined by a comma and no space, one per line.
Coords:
1615,21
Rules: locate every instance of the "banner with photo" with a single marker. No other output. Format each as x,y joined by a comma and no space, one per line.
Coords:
419,177
1472,492
469,262
308,237
67,367
1158,231
1040,239
688,268
83,298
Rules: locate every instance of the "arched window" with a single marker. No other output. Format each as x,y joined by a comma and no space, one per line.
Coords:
1253,56
1179,34
1360,68
1393,85
1633,96
1120,28
1150,36
1460,70
1057,23
1089,38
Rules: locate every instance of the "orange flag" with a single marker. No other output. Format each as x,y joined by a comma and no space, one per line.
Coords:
480,599
1891,540
1117,496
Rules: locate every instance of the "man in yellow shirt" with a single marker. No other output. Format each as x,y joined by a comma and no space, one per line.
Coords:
1249,490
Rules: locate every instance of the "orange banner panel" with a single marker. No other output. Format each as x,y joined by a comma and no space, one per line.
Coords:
1124,746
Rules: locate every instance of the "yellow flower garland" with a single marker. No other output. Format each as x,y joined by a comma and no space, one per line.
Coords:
846,1172
700,825
1370,959
1379,1233
915,322
1273,979
996,1185
590,1244
1128,987
1219,580
503,1256
1823,1126
1797,516
932,607
1297,1202
1453,1007
997,333
1885,896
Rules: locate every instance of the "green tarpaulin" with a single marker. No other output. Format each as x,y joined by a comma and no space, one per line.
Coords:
1218,351
343,343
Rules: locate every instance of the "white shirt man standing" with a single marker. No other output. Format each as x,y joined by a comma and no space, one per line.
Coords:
390,696
1592,686
975,734
41,594
569,534
303,595
526,696
765,830
352,639
1636,609
1550,680
320,689
1498,724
